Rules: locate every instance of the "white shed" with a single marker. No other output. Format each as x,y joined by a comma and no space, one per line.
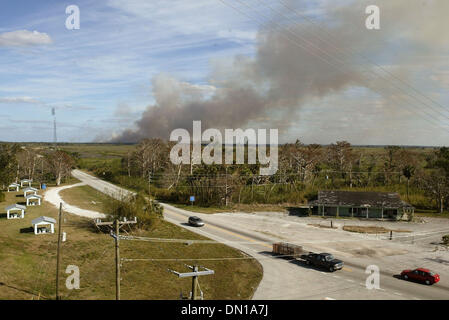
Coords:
15,208
32,199
28,190
14,186
41,224
26,181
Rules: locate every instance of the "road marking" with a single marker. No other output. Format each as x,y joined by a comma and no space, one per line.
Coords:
399,294
347,269
336,276
229,232
349,280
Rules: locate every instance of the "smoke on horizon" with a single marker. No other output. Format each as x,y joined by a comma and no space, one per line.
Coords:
287,71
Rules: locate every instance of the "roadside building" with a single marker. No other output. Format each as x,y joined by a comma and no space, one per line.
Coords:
369,205
43,225
33,200
14,186
26,181
29,190
15,211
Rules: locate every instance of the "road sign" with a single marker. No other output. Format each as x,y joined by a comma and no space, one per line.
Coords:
192,198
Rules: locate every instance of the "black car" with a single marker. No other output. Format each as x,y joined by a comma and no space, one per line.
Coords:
196,221
324,260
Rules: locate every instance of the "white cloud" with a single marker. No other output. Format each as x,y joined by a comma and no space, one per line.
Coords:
19,100
22,38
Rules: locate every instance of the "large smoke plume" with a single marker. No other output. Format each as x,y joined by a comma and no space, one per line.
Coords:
287,70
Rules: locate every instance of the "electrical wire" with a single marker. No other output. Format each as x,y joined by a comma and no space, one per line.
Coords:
430,118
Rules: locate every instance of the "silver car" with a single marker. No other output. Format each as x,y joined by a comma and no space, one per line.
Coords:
196,221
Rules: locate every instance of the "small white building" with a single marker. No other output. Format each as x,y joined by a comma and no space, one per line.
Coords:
32,199
14,186
28,190
26,181
41,225
15,211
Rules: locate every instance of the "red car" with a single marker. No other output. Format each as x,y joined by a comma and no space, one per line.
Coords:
420,275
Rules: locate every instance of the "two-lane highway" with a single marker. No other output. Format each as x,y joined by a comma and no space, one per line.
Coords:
289,279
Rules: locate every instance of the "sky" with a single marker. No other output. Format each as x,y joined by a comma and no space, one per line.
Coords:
135,64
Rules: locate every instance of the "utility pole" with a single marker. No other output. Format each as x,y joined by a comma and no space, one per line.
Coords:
117,259
116,235
149,184
194,274
58,254
226,190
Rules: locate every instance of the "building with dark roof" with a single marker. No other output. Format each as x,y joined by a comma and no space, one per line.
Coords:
377,205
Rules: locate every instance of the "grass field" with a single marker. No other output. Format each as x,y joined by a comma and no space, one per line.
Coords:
84,197
28,261
370,229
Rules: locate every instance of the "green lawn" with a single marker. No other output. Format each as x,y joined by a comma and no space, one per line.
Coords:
28,261
84,197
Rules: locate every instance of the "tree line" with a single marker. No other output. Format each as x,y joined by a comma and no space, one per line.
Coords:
42,165
420,175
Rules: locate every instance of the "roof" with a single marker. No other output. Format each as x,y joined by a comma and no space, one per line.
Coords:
26,180
29,189
15,206
43,219
14,184
360,199
33,196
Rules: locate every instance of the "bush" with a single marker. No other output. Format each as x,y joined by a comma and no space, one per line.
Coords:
446,239
2,196
146,211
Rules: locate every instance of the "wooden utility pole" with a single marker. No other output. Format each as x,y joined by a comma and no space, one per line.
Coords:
117,259
194,283
194,274
115,225
149,184
58,254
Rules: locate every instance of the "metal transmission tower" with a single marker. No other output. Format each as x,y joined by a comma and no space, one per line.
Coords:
53,112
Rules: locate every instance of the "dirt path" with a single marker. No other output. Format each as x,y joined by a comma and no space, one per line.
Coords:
53,197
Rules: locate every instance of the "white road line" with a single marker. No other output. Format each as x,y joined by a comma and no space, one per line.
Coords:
399,294
349,280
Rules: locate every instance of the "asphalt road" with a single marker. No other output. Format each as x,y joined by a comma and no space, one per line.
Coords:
292,279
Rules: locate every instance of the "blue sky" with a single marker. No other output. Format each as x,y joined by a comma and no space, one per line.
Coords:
99,78
90,75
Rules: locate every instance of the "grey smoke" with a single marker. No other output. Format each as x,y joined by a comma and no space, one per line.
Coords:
283,76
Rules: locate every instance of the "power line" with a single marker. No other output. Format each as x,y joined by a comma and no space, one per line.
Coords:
329,55
362,56
435,121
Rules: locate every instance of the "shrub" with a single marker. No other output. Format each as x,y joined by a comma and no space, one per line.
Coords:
146,211
2,196
446,239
